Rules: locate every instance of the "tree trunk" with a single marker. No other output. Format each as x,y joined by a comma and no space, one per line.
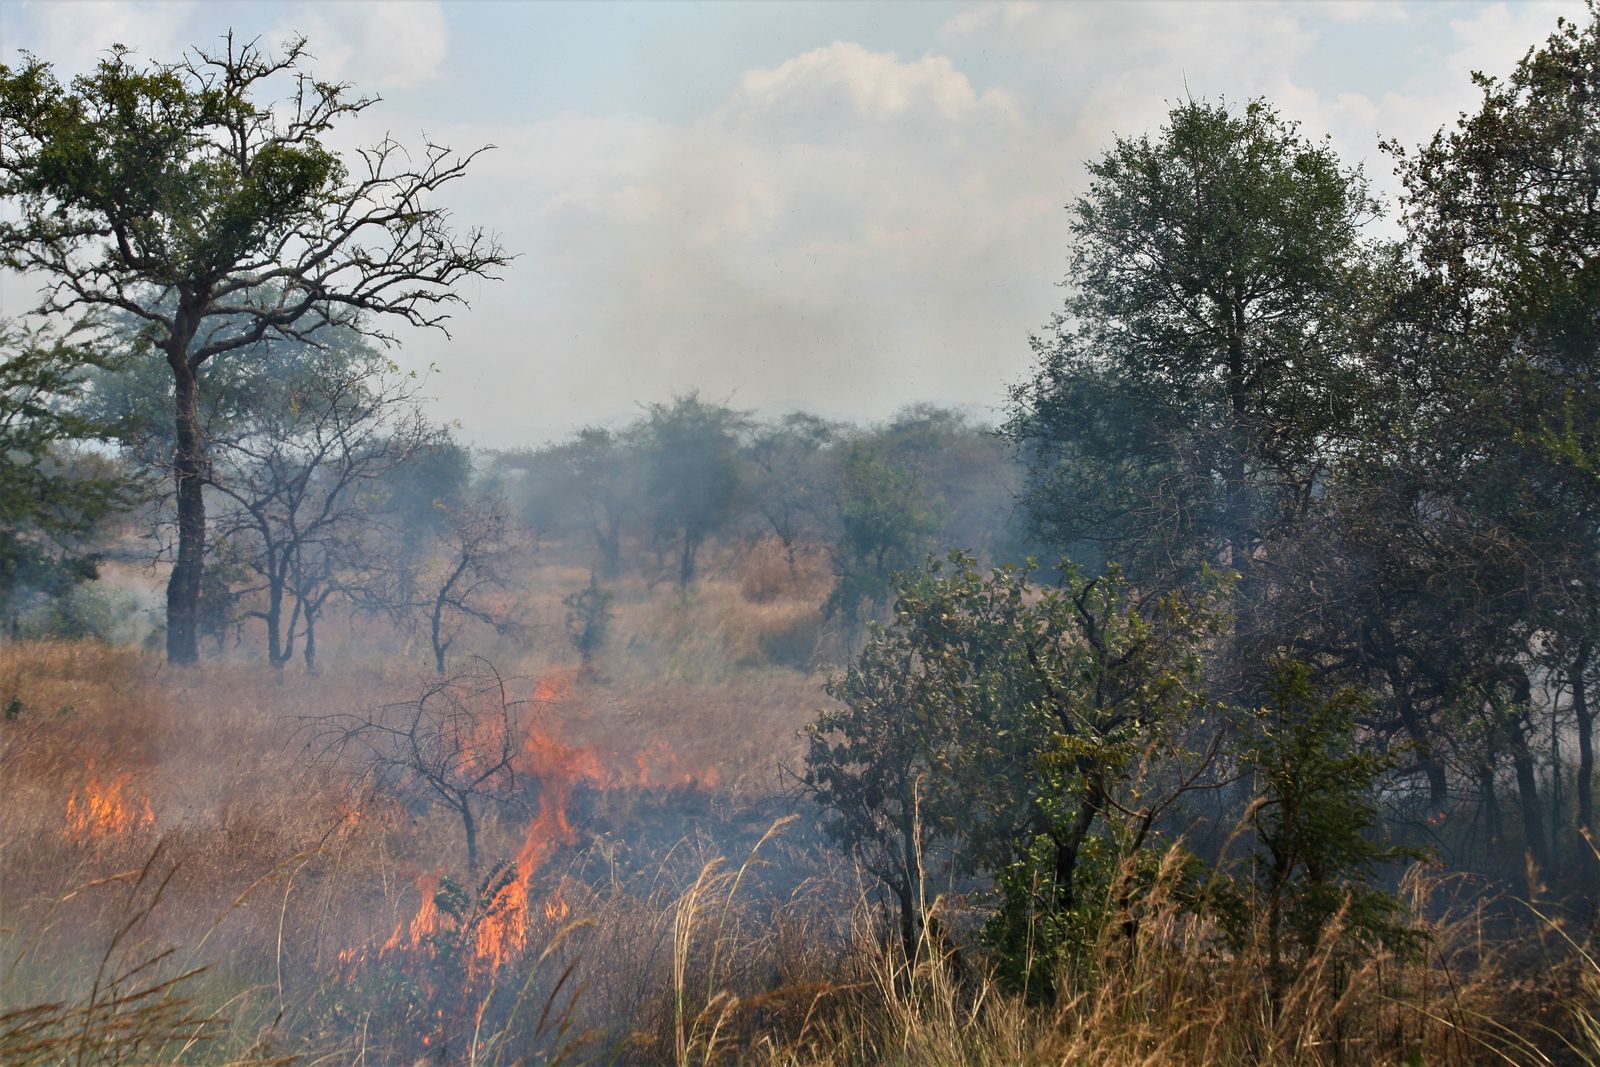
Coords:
1236,507
1422,742
189,466
609,541
1069,846
311,641
910,889
908,920
436,633
275,581
1527,792
470,825
1527,776
1493,828
1585,727
686,567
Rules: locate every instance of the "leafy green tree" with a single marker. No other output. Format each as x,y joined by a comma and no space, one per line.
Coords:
51,501
475,562
588,621
535,483
1015,724
168,192
879,763
692,473
597,476
886,525
293,484
965,466
412,503
1185,398
1503,219
789,485
1315,821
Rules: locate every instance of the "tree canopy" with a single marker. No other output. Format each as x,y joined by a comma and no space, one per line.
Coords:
173,194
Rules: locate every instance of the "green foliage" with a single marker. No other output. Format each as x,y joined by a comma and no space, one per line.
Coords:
1184,397
1314,822
886,522
1009,721
168,193
588,620
83,611
416,496
52,497
587,484
131,392
789,467
693,473
1495,390
130,142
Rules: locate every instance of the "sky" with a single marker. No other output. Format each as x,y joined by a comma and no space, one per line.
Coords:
842,208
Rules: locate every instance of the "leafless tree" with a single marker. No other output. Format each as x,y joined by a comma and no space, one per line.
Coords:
296,483
455,744
476,555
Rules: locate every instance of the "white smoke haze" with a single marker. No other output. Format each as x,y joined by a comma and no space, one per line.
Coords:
847,229
740,638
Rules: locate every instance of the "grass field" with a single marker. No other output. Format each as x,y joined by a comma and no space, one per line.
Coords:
192,874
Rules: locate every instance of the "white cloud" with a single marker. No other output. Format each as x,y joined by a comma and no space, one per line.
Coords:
75,36
847,231
1493,38
375,44
845,81
848,228
1121,64
852,228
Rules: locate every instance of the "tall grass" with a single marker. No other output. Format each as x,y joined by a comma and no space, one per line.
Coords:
246,925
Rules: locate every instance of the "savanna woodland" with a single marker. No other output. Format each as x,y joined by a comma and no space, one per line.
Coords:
1229,698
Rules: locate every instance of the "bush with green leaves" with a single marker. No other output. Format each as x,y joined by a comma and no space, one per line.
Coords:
55,496
1023,729
588,620
89,610
1317,855
887,518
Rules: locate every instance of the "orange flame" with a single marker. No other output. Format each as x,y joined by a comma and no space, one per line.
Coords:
559,768
503,927
553,688
659,767
426,920
556,909
102,809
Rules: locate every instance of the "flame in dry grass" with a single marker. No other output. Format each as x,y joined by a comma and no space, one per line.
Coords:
555,907
427,918
659,767
559,768
106,808
501,927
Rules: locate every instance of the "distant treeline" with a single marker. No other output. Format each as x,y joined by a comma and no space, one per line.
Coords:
875,499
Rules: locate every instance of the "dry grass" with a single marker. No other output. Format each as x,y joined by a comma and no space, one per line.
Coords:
246,919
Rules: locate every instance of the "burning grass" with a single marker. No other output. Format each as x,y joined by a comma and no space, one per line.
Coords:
184,882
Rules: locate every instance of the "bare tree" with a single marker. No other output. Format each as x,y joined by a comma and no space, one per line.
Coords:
452,585
165,191
474,563
455,744
296,477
